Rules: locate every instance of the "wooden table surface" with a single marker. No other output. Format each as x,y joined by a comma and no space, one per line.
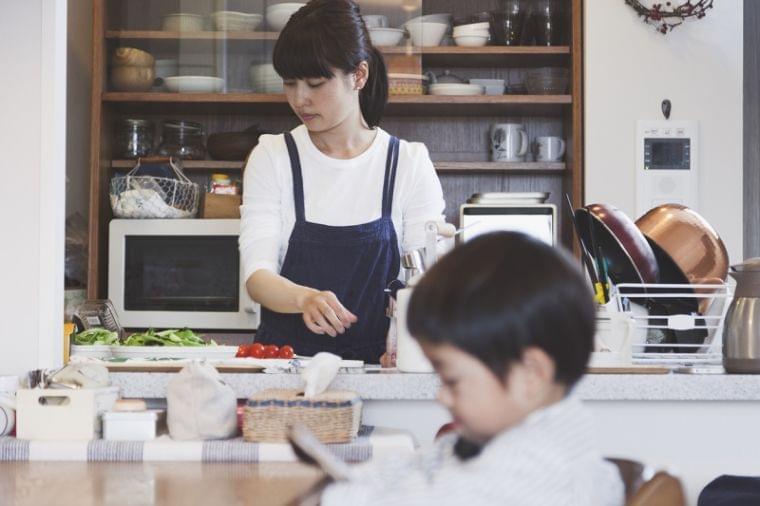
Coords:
153,483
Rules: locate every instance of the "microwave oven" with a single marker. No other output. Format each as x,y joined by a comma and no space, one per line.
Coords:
178,273
536,220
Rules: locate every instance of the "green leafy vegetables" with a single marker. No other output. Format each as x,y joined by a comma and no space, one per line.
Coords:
172,337
91,337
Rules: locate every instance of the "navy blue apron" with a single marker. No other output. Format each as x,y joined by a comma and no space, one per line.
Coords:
356,262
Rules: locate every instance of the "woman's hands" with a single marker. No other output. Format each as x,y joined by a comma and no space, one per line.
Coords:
324,314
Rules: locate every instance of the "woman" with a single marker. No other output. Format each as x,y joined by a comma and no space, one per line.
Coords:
329,206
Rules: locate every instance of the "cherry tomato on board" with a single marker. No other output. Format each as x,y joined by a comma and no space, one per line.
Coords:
271,351
256,350
242,351
286,352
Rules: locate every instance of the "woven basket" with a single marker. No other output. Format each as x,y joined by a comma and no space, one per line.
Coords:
334,416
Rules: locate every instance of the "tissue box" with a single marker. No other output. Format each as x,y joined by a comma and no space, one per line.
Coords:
334,416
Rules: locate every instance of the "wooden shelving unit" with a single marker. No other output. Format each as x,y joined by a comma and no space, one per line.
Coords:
522,167
454,128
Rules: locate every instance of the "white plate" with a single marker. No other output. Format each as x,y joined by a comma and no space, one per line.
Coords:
194,84
456,89
507,198
215,352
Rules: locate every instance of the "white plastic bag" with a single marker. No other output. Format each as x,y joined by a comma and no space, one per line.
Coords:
200,405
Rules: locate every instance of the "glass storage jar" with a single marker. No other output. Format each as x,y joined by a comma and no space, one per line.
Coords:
183,139
133,138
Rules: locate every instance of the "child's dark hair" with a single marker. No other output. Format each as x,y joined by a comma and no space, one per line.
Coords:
328,34
501,293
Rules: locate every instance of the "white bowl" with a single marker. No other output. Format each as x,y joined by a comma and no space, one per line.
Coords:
375,21
492,86
472,26
431,18
456,89
471,40
194,84
385,36
264,71
279,14
472,31
182,22
236,21
426,34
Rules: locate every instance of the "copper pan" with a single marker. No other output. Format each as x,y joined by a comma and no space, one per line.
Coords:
689,242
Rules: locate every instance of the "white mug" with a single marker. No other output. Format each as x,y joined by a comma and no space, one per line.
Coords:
509,142
549,149
375,21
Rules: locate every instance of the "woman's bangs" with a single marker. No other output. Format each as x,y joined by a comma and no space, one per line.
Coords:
299,56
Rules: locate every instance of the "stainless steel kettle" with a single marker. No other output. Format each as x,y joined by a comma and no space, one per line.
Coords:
741,330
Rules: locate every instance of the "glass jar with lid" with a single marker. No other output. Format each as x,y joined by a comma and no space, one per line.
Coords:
133,138
183,139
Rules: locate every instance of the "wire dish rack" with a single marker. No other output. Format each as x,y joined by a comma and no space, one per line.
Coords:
667,326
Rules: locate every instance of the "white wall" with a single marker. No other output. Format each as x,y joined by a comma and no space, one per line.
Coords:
630,69
32,140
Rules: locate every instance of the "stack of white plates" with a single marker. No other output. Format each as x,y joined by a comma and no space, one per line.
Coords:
456,89
509,198
264,79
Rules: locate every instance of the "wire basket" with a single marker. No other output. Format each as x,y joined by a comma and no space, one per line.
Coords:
140,195
672,336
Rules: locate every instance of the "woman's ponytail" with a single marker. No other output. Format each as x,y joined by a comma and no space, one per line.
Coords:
374,95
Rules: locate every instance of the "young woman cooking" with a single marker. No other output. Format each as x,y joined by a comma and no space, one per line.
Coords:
329,206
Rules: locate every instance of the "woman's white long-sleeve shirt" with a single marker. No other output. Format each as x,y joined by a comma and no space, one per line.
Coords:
336,192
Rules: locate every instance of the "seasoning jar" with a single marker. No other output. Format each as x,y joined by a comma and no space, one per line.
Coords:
133,138
183,139
221,184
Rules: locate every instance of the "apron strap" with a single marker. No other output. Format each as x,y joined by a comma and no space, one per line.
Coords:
295,167
391,162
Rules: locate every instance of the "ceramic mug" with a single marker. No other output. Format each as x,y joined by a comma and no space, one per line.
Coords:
548,149
509,142
376,21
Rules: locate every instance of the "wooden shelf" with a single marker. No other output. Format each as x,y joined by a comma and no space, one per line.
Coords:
207,35
398,105
523,56
526,167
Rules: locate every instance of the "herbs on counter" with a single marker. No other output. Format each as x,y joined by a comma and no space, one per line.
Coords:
91,337
172,337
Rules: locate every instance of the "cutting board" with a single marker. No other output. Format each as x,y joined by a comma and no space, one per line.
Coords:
168,366
630,369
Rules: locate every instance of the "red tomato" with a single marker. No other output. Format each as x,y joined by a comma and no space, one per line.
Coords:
256,350
271,351
242,351
286,352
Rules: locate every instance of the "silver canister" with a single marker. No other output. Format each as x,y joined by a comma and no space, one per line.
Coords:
741,330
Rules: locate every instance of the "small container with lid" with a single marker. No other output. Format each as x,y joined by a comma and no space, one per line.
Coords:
133,138
183,139
221,184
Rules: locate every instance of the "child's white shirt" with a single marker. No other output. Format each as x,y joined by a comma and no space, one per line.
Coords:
549,458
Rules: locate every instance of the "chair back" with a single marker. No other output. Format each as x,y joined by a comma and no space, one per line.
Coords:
643,487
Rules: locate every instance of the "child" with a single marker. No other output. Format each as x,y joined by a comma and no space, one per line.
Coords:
508,324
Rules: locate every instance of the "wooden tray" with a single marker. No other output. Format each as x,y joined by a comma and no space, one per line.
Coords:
631,369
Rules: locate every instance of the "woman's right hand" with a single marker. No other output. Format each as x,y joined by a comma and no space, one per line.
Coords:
324,314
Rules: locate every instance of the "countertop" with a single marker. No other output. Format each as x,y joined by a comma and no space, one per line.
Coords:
391,385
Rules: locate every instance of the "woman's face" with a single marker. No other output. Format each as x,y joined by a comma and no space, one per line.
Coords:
324,103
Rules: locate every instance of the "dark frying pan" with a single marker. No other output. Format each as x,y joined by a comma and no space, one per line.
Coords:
629,257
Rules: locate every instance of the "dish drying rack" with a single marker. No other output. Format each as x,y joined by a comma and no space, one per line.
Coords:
648,331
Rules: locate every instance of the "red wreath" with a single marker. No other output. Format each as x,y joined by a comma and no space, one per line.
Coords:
668,15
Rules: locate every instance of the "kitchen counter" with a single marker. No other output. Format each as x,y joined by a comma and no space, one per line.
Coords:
391,385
